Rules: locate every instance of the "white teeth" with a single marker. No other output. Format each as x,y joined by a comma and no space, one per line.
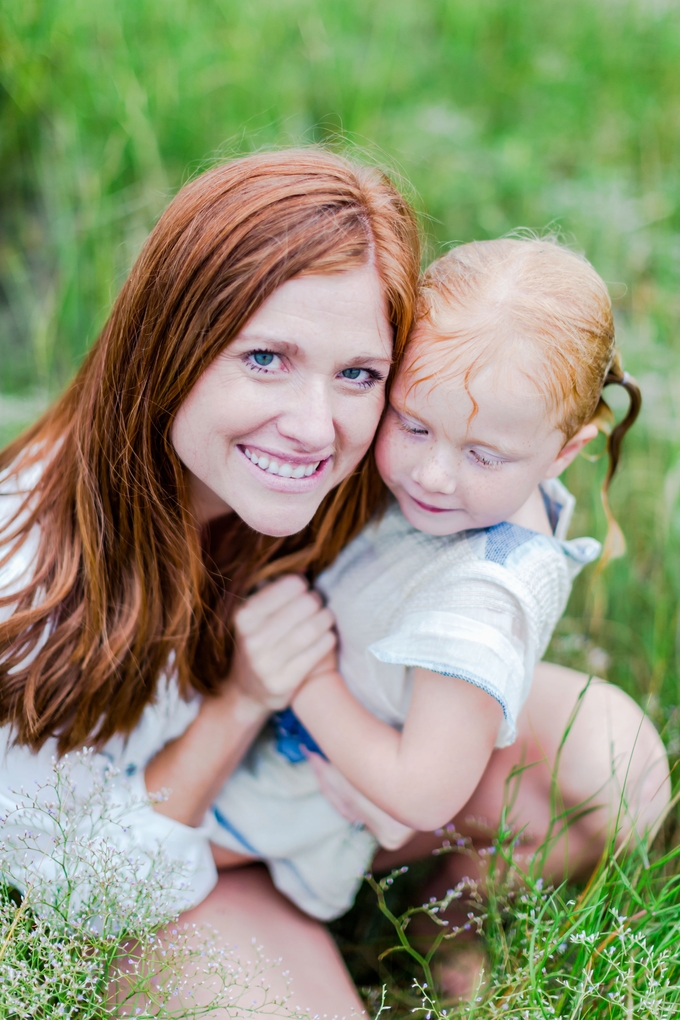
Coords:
272,467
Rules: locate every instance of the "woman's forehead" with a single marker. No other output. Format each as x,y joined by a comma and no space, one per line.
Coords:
348,306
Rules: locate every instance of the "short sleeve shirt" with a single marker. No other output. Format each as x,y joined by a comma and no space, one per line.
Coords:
480,605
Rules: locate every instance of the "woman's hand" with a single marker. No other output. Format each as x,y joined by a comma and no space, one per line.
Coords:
282,633
352,804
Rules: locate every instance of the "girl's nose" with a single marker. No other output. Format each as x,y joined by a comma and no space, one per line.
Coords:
308,418
433,475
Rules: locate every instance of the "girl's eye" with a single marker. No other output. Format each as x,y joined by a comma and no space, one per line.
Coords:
487,461
410,427
366,377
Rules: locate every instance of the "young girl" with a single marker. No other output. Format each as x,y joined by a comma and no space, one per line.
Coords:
445,605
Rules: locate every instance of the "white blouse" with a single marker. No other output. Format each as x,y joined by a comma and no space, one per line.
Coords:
141,830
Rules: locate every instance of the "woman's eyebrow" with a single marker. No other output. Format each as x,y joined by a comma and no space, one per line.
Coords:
278,343
361,359
268,340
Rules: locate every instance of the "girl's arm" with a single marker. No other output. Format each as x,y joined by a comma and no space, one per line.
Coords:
281,634
422,776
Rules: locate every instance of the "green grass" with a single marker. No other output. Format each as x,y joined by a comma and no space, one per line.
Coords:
608,951
498,113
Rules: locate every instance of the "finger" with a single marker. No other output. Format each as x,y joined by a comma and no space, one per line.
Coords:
276,655
263,603
356,807
278,625
328,776
297,669
328,664
335,787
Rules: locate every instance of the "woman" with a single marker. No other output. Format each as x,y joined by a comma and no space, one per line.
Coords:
132,519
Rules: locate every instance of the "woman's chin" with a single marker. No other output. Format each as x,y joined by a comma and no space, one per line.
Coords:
278,518
280,506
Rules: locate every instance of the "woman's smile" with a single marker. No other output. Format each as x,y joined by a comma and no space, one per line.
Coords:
282,464
286,472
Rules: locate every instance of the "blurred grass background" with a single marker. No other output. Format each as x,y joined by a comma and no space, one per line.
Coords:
499,114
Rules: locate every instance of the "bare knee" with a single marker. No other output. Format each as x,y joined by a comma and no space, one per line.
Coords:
646,781
613,757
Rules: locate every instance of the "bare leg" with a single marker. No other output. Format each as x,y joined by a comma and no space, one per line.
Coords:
244,907
612,759
225,859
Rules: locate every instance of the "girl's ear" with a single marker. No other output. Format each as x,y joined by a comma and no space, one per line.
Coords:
571,449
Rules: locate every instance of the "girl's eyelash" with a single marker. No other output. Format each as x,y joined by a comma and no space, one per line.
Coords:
487,462
410,429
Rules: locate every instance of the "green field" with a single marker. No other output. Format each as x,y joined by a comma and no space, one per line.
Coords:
495,113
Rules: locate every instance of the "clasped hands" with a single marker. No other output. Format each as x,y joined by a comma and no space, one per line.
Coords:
285,638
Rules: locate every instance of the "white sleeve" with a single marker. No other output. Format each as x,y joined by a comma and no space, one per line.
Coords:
479,633
136,829
488,618
94,809
146,829
143,832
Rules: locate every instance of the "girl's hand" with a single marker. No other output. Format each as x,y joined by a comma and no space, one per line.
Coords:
352,805
282,633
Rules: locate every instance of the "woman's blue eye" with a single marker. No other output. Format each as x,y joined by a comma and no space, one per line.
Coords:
351,373
263,358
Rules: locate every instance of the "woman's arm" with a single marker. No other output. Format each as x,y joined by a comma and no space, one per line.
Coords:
422,776
281,634
192,768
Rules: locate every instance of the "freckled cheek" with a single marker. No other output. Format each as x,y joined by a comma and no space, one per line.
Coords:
488,497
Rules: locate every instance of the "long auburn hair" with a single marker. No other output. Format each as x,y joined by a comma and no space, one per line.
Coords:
123,587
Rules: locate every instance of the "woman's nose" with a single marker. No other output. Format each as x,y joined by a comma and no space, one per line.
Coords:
308,418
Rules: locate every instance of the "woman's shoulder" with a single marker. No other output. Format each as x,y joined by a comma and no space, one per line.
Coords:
19,480
16,487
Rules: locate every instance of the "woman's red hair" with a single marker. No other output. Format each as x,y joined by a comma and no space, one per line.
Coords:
122,584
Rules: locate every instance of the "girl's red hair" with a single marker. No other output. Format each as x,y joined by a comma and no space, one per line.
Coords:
122,586
535,302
